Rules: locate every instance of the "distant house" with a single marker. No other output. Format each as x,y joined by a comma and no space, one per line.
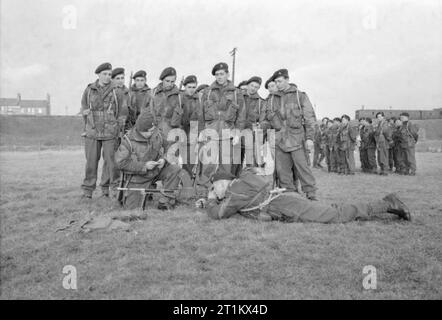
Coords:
19,106
414,114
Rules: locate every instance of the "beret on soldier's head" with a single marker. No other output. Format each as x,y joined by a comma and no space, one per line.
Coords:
202,87
102,67
220,66
255,79
268,81
169,71
380,113
281,73
405,114
145,121
190,79
117,71
242,83
139,74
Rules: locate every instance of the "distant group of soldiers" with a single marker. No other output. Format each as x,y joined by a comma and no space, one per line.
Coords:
391,141
129,126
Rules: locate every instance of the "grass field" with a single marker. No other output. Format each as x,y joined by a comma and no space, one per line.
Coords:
184,255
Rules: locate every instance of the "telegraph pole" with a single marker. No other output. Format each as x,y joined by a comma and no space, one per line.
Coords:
233,54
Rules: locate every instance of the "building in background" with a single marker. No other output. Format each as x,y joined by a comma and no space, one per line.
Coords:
414,114
19,106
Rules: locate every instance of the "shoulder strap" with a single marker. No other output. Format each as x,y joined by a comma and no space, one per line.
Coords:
89,99
130,143
116,103
236,96
179,100
208,94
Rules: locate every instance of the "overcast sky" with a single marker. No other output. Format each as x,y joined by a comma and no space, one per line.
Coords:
344,54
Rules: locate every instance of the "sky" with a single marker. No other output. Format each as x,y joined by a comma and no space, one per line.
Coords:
343,54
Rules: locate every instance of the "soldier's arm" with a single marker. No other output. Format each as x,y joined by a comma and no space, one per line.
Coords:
309,116
240,122
84,105
124,161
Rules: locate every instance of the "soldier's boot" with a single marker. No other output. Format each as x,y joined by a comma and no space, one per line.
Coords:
383,206
397,206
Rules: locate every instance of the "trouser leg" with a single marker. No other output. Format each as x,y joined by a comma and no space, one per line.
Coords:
169,176
305,175
92,148
371,156
383,158
350,157
410,154
110,173
316,155
284,169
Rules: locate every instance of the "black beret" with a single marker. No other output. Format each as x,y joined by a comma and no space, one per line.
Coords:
337,119
380,112
102,67
346,117
255,79
117,71
268,81
281,73
190,79
220,66
405,114
202,87
139,74
145,121
242,83
169,71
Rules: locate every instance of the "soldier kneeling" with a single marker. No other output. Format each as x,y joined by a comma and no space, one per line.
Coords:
140,157
250,196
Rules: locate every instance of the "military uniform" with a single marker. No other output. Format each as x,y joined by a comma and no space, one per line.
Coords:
105,111
224,108
133,153
332,144
398,156
249,196
319,144
368,149
292,116
347,142
140,99
409,133
383,139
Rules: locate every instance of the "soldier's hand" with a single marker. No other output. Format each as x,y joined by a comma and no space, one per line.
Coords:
86,112
161,163
150,165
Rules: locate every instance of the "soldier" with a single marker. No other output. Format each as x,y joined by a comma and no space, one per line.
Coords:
326,146
104,111
397,149
224,108
320,141
292,116
243,86
140,95
363,147
255,118
118,78
332,142
383,139
370,144
190,111
392,162
250,196
141,159
410,135
270,85
165,98
347,142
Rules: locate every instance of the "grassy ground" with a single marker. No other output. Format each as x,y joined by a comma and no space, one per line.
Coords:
184,255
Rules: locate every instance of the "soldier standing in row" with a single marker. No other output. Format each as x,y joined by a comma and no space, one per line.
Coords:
165,99
332,142
368,146
392,161
224,108
397,150
104,110
347,142
320,141
140,97
292,116
410,135
383,141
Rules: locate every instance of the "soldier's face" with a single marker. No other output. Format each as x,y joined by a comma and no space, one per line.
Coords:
404,118
190,89
119,80
220,188
221,77
253,87
169,82
380,117
282,83
147,134
105,76
272,87
344,121
398,123
140,82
